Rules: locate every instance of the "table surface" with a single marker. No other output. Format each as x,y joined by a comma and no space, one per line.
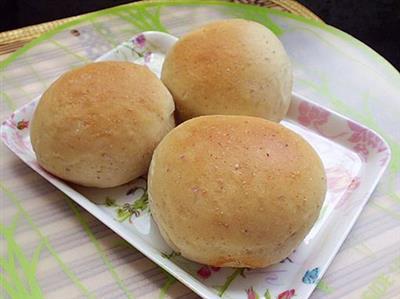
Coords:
60,251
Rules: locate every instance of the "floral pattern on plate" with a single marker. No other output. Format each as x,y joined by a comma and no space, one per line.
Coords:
354,158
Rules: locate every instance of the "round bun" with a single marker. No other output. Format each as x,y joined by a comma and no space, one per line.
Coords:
235,191
230,67
99,124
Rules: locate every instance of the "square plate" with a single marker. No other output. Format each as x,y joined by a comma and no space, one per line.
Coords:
354,158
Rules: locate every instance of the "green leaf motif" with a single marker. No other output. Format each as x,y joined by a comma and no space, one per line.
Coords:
229,280
167,285
18,277
170,255
267,294
324,287
128,210
256,15
46,243
96,244
143,18
110,202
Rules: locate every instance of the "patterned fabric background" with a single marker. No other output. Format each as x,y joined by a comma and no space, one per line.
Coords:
51,248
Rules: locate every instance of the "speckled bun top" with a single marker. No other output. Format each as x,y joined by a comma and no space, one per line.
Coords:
235,190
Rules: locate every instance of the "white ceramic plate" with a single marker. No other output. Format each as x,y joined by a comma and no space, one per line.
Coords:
354,157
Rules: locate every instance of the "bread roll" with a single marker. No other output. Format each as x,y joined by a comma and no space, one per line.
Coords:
235,191
230,67
98,125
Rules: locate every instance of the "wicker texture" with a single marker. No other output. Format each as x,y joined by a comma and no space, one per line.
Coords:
284,5
14,39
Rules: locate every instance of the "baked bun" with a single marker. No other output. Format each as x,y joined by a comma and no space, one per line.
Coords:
99,124
230,67
235,191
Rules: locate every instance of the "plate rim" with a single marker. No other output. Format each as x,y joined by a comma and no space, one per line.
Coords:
146,249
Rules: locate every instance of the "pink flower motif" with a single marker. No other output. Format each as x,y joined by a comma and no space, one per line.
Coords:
139,41
364,140
338,179
354,184
310,115
147,56
4,136
359,133
10,123
19,144
286,294
204,272
22,124
251,294
362,150
384,159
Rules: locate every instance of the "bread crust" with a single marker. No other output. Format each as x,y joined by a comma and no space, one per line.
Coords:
229,67
235,191
98,125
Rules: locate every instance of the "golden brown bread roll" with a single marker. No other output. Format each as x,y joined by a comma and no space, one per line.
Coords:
235,67
235,191
98,125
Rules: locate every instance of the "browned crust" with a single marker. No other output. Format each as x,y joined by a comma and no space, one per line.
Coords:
235,190
231,67
98,125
